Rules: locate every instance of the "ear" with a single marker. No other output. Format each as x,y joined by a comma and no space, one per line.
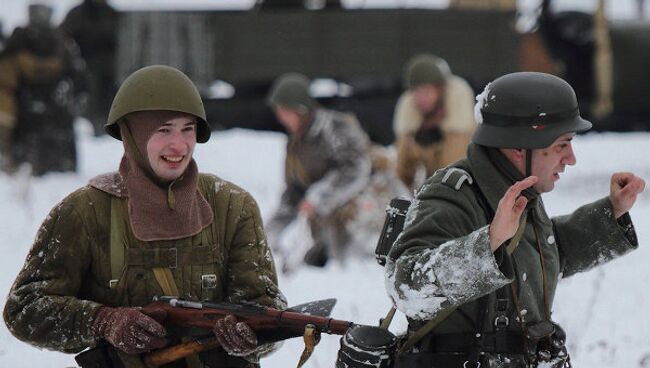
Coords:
519,154
516,155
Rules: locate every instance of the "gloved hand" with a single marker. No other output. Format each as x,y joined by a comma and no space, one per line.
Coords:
128,329
236,338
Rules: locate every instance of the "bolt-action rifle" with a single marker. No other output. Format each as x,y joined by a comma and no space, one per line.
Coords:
196,319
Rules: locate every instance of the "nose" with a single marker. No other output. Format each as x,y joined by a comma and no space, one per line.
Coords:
176,140
570,157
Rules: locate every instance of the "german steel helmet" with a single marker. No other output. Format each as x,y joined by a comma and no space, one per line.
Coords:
526,110
158,87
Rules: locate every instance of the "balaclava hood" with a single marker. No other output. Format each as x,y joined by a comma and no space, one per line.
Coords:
158,209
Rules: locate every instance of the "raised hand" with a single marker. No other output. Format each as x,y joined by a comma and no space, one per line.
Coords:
508,213
623,190
307,208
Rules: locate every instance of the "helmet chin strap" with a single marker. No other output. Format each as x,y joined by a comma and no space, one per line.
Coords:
529,162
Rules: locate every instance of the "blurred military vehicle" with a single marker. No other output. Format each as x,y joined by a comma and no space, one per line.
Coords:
356,56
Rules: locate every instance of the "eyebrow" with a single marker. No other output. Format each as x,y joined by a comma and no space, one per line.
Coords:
191,122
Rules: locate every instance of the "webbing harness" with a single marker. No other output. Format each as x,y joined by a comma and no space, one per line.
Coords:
160,260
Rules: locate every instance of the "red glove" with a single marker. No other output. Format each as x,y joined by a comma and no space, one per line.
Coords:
128,329
236,338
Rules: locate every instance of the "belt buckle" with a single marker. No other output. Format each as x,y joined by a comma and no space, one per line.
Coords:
474,365
501,321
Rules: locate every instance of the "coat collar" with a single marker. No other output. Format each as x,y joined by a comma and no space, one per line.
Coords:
493,183
111,183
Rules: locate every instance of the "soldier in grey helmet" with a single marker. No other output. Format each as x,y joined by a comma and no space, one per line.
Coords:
476,267
327,165
154,227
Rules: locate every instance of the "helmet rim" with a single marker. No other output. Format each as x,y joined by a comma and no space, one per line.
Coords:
158,87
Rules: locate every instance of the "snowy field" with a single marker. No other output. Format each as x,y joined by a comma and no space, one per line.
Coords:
603,311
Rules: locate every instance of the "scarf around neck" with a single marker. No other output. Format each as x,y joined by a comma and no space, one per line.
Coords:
160,210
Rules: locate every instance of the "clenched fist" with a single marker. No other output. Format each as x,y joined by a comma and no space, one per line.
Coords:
624,188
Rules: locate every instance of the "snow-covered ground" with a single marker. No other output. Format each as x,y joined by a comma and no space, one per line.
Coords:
604,311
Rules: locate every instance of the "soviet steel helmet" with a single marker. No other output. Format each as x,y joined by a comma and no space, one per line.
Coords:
526,110
291,90
158,87
425,69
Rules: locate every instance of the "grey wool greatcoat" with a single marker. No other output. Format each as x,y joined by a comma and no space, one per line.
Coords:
443,260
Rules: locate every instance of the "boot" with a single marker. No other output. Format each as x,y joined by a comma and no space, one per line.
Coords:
317,255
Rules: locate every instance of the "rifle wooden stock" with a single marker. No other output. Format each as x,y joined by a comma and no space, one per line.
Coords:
172,353
273,324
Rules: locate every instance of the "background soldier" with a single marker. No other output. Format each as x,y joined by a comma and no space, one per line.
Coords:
327,165
42,88
480,257
105,249
433,119
92,24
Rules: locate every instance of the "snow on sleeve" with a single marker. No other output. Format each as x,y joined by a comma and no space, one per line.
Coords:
423,282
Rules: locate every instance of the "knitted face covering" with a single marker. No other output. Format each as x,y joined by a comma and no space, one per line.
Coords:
159,209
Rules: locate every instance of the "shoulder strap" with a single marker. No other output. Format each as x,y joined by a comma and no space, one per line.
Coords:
117,246
163,275
166,280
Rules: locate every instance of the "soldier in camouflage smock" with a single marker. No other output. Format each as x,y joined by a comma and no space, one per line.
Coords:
97,255
327,165
479,248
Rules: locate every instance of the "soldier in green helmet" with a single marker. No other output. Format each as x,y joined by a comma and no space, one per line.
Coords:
327,165
433,118
154,227
476,267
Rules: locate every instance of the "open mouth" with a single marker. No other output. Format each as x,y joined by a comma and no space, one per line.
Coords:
173,159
